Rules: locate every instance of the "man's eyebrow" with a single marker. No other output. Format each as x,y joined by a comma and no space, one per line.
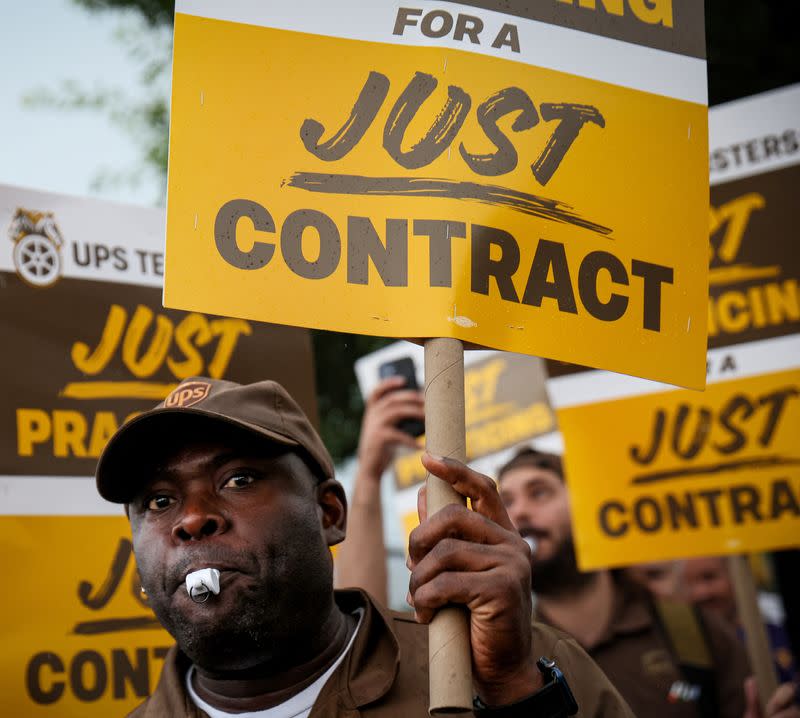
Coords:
526,484
226,456
533,480
165,473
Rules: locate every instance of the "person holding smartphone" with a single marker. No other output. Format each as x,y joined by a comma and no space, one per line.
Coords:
391,407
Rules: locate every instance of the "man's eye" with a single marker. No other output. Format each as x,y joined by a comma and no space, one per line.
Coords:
239,481
157,503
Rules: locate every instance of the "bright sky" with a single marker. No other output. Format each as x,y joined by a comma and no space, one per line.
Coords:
42,44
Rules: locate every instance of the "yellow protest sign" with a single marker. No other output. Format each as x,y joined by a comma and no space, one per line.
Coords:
657,474
87,344
79,638
504,179
698,474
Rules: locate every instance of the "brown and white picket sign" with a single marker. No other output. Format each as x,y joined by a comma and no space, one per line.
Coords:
86,346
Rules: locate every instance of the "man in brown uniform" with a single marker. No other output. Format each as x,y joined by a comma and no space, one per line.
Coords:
233,507
708,584
621,627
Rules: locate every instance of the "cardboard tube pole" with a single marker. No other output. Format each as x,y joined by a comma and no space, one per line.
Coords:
449,655
756,635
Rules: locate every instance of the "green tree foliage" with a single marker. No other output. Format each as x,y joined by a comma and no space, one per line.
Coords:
751,44
340,405
141,111
155,12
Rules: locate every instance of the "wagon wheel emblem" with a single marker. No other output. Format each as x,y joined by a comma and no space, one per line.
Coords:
38,260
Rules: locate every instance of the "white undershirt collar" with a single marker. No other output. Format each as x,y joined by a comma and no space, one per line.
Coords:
298,706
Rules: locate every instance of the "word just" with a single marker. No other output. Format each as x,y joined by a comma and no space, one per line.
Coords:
448,122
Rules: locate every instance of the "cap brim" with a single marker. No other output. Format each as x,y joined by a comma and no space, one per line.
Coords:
118,484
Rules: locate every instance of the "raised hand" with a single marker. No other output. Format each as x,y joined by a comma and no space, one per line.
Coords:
477,559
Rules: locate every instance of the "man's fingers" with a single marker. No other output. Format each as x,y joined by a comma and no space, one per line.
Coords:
474,590
456,521
752,708
397,437
384,386
781,703
781,699
422,503
393,395
478,488
389,415
403,396
452,554
446,588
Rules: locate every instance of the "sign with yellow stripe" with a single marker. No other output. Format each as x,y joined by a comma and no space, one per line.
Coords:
447,169
656,473
86,346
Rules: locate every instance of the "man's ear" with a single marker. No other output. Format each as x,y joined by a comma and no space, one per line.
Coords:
333,505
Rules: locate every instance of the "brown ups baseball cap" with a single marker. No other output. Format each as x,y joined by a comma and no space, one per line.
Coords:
264,409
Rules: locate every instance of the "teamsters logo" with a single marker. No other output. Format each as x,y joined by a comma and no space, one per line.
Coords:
37,247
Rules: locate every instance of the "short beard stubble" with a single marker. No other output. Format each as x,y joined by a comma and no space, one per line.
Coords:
559,575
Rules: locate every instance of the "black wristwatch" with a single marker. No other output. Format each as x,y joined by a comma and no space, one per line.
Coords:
553,700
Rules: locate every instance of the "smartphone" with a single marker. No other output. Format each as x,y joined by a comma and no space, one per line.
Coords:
404,367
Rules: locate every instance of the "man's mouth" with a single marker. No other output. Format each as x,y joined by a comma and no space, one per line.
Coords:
530,532
533,537
202,584
183,569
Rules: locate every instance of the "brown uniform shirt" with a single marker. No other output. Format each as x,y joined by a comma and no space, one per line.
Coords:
635,654
385,674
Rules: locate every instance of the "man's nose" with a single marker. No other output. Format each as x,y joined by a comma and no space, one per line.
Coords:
200,519
518,515
698,592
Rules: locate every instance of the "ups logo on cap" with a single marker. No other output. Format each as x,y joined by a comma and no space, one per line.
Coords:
188,394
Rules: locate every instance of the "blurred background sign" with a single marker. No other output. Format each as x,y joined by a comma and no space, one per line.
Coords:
86,345
505,405
692,474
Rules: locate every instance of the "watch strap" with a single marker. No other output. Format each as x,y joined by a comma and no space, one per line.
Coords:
553,700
